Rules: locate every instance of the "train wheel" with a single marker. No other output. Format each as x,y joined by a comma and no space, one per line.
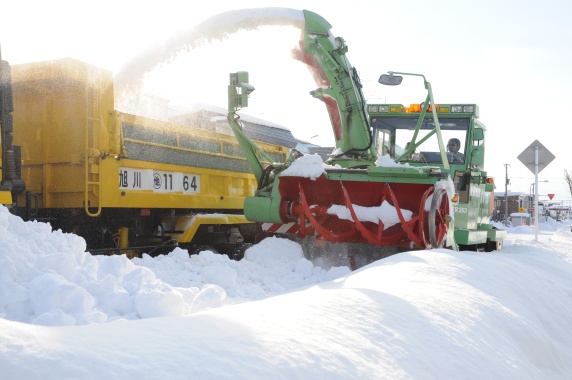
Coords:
438,218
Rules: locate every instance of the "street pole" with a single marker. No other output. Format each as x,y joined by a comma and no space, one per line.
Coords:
536,193
531,203
506,196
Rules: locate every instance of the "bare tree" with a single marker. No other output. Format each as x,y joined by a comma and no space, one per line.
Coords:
568,179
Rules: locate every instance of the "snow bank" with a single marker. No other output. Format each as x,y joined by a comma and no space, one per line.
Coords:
47,278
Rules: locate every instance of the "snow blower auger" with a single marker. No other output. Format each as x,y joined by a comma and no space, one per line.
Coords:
389,182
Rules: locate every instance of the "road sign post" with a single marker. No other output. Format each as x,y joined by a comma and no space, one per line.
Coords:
536,157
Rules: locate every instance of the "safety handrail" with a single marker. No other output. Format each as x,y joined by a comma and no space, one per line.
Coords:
87,153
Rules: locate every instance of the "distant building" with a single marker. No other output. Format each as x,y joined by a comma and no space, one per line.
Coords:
517,202
321,151
557,210
524,203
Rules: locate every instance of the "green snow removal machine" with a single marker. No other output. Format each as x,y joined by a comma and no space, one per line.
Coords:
390,180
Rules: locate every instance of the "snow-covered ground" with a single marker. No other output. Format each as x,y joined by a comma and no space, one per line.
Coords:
433,314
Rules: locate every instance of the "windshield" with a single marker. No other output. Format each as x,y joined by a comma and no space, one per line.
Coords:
393,136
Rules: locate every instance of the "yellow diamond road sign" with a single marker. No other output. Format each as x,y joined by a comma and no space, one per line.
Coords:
527,157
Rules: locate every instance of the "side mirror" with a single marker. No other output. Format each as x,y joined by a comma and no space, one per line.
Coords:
478,134
390,79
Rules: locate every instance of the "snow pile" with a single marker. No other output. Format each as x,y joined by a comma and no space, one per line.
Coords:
308,166
385,212
387,162
47,278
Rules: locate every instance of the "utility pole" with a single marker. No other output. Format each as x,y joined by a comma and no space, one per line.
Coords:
506,195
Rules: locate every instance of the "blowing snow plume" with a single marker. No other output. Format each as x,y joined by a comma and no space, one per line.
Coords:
217,27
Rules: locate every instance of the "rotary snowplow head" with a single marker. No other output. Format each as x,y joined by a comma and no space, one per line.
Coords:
381,206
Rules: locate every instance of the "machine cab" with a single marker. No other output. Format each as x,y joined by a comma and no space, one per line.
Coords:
395,132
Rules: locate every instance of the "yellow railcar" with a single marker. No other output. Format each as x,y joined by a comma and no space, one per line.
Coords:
119,180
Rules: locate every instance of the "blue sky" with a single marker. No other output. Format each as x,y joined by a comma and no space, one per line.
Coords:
511,58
